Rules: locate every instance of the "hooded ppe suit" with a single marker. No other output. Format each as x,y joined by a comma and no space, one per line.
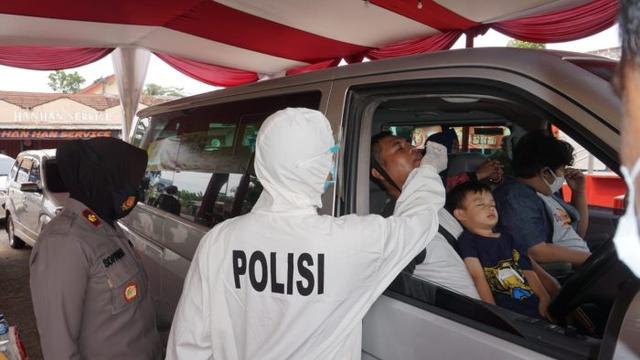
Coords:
88,286
283,282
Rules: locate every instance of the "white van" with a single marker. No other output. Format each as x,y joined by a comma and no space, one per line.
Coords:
201,152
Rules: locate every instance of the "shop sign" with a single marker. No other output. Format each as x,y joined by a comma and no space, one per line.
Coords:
55,134
60,116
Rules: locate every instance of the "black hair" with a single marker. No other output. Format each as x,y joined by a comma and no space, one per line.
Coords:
630,31
456,196
538,150
375,146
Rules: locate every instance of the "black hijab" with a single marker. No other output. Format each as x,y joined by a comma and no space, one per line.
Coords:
102,173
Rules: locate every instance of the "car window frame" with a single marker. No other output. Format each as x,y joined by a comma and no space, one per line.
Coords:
361,103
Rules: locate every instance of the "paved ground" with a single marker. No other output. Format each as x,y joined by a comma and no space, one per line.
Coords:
15,297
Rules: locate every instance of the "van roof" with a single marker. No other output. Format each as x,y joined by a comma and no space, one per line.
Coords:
538,62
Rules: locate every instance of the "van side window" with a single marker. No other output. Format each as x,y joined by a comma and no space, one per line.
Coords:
14,170
34,175
138,133
23,171
201,160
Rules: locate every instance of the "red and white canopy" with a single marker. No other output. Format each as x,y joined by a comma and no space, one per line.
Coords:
232,42
248,37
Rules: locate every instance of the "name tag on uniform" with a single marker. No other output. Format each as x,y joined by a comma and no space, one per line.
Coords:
261,271
113,258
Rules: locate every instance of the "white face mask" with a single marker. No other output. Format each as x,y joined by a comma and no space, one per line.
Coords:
626,239
556,185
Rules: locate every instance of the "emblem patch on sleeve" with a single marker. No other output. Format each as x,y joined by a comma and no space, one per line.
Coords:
128,203
130,292
91,217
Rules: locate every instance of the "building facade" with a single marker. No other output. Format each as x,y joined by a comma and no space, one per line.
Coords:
42,120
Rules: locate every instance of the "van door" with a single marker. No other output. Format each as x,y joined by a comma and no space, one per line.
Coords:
33,201
426,319
18,206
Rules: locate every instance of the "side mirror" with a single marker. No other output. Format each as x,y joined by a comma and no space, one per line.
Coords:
30,187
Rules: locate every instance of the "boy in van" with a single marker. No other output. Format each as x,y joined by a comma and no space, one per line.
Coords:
499,265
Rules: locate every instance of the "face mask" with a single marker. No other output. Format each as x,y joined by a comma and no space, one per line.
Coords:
556,185
626,239
332,178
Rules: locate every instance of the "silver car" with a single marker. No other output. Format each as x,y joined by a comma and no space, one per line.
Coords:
35,194
6,162
200,173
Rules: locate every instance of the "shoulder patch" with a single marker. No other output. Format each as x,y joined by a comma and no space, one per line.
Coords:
128,203
91,217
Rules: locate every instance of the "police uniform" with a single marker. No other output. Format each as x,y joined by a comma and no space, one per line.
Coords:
89,289
90,292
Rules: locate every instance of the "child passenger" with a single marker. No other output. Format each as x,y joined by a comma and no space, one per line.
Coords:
499,266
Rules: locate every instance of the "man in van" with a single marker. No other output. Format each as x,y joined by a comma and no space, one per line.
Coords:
393,159
529,208
283,282
626,239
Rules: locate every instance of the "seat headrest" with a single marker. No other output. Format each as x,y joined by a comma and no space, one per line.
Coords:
463,162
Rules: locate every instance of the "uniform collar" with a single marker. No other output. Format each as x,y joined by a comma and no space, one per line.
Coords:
88,217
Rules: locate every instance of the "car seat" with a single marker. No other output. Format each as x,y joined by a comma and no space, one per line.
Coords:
464,162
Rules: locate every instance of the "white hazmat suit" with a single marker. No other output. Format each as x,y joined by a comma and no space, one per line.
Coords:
283,282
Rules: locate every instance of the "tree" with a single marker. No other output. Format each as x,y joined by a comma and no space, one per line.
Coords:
66,83
158,90
524,44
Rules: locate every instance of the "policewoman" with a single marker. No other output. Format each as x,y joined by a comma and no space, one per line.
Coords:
90,293
284,282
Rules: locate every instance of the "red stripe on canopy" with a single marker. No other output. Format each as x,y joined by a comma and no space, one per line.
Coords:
208,73
49,58
431,14
217,22
565,25
313,67
138,12
416,46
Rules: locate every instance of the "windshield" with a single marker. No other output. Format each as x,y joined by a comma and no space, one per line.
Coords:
5,164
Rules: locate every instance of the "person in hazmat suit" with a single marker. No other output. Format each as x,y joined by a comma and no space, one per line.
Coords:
90,293
283,282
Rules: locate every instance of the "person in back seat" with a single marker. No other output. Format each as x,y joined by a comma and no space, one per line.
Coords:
498,263
551,229
394,159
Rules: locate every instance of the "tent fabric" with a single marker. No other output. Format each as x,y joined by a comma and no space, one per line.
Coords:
416,46
232,42
208,73
49,58
563,25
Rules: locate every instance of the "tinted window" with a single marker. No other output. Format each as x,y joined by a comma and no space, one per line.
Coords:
141,128
14,170
23,171
201,160
34,175
52,176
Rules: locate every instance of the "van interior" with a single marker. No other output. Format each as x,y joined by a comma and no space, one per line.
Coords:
488,126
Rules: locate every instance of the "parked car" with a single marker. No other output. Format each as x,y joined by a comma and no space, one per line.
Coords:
35,194
203,146
5,166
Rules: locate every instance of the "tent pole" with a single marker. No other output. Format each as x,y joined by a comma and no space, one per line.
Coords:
130,66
